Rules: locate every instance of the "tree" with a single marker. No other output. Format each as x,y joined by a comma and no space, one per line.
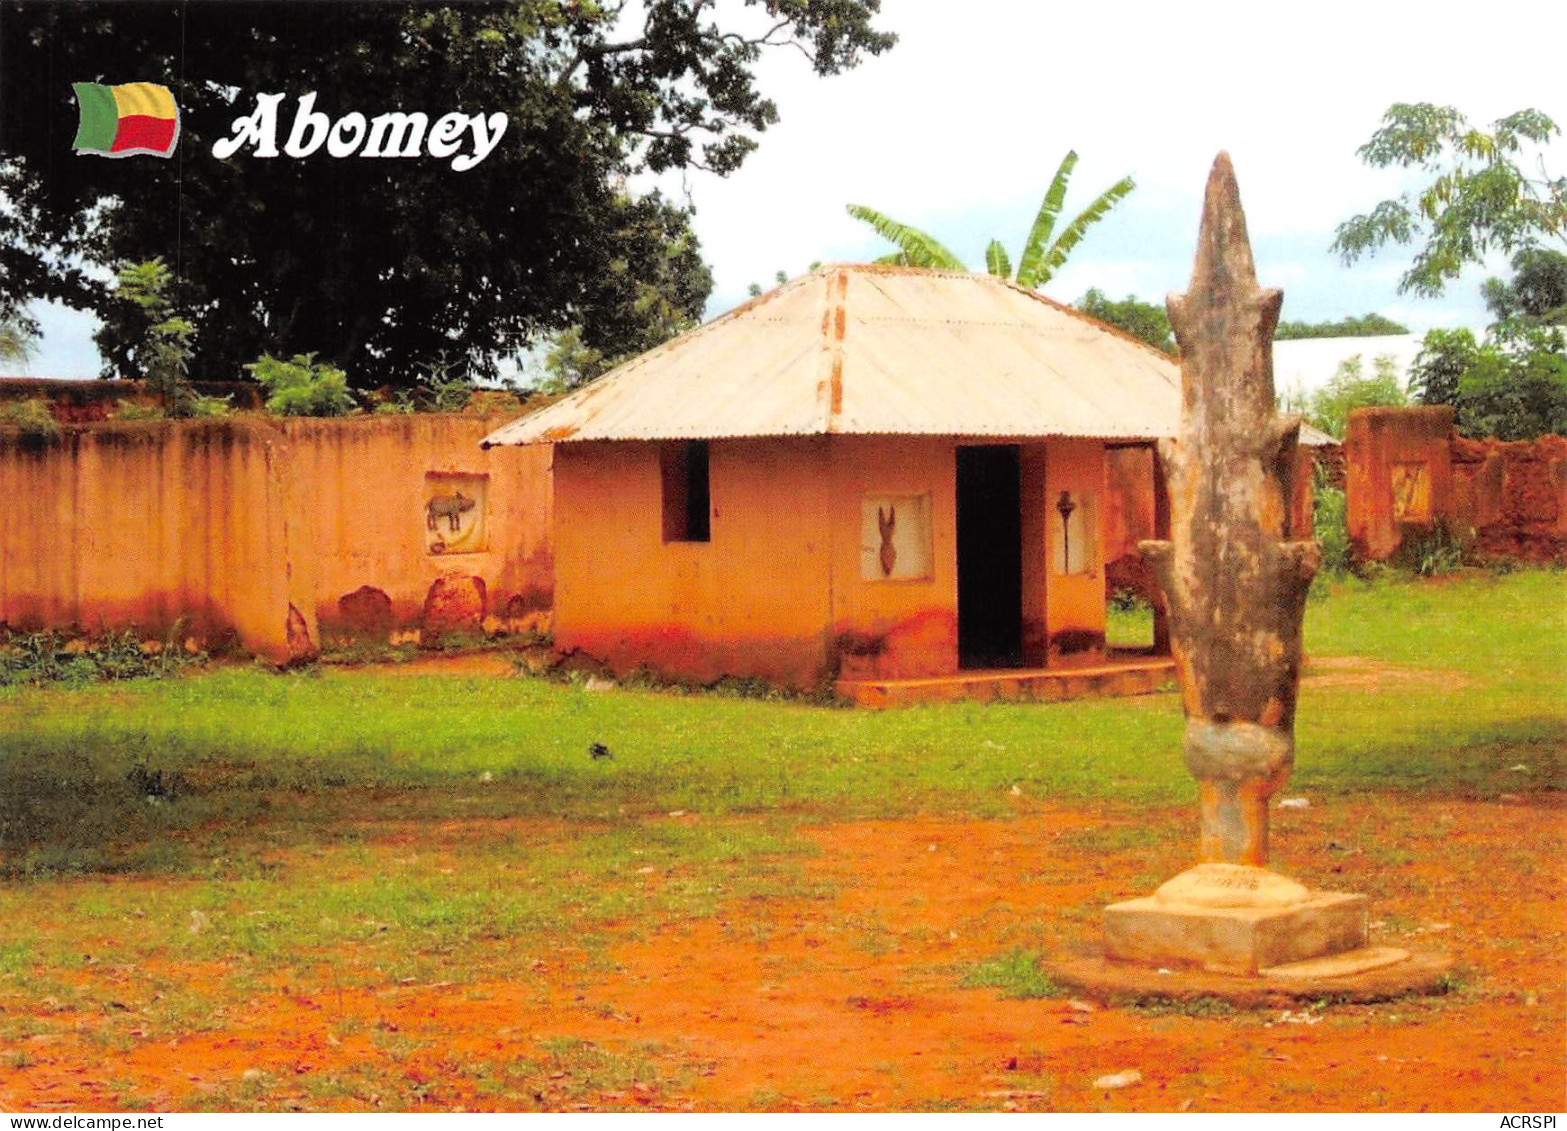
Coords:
17,339
1366,326
1144,320
383,264
1512,385
1444,357
1537,291
1516,389
158,349
1040,257
1481,196
1350,388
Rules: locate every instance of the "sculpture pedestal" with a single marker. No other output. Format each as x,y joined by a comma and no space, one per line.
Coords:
1248,936
1234,919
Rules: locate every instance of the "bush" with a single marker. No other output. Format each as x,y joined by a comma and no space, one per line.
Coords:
1433,553
1330,526
300,387
31,417
1350,389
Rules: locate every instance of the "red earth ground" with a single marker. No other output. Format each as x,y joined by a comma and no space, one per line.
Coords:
856,1000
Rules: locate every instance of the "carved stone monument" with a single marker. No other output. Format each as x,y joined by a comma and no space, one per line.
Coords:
1235,588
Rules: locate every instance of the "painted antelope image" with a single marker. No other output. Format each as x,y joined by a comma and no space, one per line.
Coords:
886,523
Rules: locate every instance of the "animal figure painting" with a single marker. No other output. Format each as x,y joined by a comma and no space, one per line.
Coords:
895,542
454,506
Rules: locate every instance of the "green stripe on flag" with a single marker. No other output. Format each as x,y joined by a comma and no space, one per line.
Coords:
100,117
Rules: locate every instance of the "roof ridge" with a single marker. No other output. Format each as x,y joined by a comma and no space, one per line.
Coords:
835,318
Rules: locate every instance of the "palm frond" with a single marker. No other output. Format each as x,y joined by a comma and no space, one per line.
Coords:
996,261
1084,220
1028,266
920,249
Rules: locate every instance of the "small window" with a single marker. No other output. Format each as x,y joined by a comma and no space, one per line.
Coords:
687,500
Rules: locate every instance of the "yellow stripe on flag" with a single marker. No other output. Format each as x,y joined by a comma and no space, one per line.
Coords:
145,98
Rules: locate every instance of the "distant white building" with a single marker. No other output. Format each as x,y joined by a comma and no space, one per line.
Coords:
1306,364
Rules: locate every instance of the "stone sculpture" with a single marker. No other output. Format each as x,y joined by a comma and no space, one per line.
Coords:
1235,588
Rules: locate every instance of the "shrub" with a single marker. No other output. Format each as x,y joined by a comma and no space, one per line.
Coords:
1431,553
1330,527
301,387
1350,389
31,417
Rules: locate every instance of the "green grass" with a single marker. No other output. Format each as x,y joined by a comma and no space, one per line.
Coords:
346,831
1016,974
1129,627
269,759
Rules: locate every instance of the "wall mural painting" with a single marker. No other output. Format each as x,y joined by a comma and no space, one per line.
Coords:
1411,492
895,537
1072,542
454,506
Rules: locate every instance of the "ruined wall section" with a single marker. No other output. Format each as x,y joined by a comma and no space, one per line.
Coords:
1408,474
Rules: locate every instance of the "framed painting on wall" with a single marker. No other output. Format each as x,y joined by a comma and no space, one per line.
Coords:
895,537
454,508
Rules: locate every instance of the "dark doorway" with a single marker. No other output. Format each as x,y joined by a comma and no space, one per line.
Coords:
990,558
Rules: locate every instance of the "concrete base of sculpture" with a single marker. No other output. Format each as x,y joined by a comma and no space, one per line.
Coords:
1254,926
1233,919
1376,974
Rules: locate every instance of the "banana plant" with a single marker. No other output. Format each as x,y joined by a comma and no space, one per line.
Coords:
1042,257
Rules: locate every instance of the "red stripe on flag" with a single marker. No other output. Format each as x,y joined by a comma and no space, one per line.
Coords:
139,131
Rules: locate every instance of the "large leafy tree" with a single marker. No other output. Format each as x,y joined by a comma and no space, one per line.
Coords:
381,265
1483,195
1513,383
1040,256
1537,292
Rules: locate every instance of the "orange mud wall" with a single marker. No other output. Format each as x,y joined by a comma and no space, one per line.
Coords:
788,589
1407,473
251,531
752,601
365,482
1074,606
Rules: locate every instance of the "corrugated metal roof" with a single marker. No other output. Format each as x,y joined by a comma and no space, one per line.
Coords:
859,349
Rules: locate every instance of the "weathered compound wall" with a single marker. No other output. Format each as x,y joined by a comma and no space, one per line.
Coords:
275,535
1131,480
1408,473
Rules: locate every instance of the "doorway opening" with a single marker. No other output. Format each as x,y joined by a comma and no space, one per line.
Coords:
990,557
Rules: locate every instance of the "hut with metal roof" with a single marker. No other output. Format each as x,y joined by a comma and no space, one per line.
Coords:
887,477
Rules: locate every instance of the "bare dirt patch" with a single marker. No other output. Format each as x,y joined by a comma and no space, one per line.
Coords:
1377,675
851,995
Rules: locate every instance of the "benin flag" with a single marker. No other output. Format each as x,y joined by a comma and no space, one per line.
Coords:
118,121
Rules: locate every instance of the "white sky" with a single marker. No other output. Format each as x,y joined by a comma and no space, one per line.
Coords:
959,128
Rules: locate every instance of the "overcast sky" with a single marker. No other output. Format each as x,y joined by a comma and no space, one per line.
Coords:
959,128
